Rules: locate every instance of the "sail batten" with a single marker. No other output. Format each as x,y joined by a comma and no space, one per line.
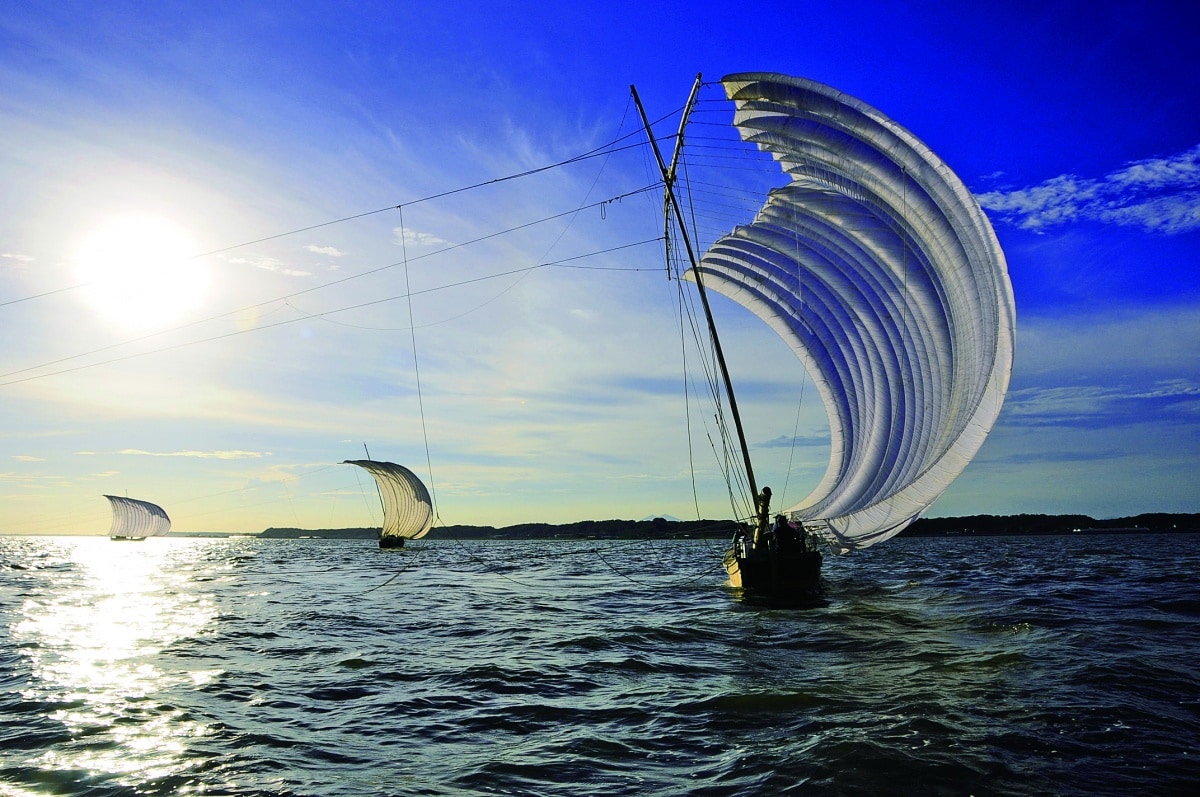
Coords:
134,519
407,507
876,265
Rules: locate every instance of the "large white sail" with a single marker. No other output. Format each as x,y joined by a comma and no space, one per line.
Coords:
877,266
407,508
133,519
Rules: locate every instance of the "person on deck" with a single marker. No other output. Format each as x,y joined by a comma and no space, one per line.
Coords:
764,512
786,538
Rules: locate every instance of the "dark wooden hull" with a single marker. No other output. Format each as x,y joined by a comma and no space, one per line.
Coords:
391,543
793,577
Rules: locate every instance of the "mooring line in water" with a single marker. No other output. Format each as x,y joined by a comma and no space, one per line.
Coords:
680,582
486,565
416,552
489,567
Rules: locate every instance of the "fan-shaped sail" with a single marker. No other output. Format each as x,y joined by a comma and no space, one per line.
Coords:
877,266
134,519
407,508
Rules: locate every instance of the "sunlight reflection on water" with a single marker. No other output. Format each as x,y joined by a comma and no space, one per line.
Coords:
92,651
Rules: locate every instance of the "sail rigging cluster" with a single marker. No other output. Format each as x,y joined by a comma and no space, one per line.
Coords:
876,265
407,507
134,519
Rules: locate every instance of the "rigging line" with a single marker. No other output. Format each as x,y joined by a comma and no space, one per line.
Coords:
721,420
723,456
242,490
363,494
787,476
524,271
42,295
555,243
687,408
487,566
707,367
412,561
302,292
291,506
687,312
378,492
594,153
713,385
412,329
705,571
272,326
323,316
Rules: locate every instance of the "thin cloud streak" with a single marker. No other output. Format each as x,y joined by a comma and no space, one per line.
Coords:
197,454
414,238
1101,407
268,264
332,251
1160,195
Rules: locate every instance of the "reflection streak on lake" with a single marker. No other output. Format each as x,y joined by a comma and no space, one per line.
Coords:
92,640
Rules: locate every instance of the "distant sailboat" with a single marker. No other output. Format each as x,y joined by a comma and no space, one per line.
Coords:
877,267
407,508
136,520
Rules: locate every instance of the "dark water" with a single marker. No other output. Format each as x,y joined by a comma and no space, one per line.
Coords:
1007,666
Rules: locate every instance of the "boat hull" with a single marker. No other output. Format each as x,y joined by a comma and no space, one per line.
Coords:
391,543
777,576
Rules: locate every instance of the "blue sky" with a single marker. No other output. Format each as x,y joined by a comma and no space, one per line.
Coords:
546,393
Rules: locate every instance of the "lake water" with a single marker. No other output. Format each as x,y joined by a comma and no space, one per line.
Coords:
1000,666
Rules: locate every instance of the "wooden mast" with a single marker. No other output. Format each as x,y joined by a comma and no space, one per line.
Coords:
668,176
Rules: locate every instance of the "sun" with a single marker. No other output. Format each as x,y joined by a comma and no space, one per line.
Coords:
140,271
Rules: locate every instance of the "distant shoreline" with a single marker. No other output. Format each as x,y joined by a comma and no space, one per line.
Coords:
659,528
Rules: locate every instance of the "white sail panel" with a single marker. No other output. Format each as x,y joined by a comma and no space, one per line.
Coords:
407,507
877,266
134,519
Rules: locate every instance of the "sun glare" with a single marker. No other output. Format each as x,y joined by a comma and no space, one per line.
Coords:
140,271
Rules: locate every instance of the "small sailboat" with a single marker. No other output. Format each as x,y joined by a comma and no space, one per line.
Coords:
407,508
877,267
136,520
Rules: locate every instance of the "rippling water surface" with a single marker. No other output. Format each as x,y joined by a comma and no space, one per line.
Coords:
1007,666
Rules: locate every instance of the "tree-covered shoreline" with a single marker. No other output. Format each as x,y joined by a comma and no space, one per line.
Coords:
660,528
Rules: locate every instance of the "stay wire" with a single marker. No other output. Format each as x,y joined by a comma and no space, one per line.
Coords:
43,295
413,326
605,149
565,263
286,298
412,329
412,562
723,458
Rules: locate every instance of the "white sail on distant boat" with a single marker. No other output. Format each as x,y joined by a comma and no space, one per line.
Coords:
136,520
407,507
876,265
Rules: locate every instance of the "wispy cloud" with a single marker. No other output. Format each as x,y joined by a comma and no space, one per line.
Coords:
1058,457
1159,195
27,458
332,251
268,264
1102,407
197,454
414,238
796,442
17,257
